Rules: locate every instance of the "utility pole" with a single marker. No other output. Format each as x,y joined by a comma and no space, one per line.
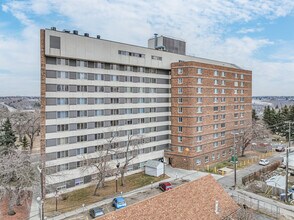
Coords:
287,162
235,162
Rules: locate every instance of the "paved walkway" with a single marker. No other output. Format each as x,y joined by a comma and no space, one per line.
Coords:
173,173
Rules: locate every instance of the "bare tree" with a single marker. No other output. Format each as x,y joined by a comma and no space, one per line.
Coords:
17,176
254,131
131,152
33,127
19,120
99,161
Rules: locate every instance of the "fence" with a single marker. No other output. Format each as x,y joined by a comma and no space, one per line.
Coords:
257,205
257,175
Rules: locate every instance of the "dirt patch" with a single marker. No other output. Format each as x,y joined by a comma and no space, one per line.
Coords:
22,212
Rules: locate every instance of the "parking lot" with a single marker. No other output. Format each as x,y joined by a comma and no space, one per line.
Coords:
140,196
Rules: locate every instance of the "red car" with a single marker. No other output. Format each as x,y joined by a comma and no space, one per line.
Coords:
165,186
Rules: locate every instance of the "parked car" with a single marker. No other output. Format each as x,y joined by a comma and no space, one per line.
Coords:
280,149
119,202
96,212
264,162
165,186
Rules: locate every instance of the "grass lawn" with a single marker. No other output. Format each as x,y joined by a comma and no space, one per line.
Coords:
85,196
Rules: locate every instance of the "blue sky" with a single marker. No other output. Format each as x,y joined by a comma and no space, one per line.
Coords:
254,34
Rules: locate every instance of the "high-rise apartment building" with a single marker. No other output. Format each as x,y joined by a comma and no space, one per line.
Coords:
94,90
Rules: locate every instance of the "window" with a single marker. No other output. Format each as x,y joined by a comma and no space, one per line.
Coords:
199,148
180,100
180,149
180,129
199,90
180,90
215,73
83,113
199,109
215,144
242,99
62,75
199,100
235,115
99,101
223,133
215,108
198,161
215,82
224,153
62,101
199,119
63,127
180,139
223,82
82,138
81,101
62,61
82,88
223,91
223,108
199,128
180,71
180,119
215,135
180,80
215,100
79,181
156,58
242,84
223,142
81,126
223,116
223,99
236,76
241,107
199,138
62,114
199,71
99,112
242,91
218,155
242,122
215,126
242,76
242,114
62,88
206,159
235,107
61,141
223,74
82,76
62,154
215,91
99,77
199,80
180,110
215,117
62,167
223,125
99,136
213,157
236,84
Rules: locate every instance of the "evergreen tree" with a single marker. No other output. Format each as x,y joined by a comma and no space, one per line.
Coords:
7,138
25,143
254,115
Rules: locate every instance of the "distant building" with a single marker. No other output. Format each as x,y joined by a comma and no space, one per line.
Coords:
200,199
93,89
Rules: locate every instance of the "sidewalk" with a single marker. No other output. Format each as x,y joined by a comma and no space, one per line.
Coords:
173,173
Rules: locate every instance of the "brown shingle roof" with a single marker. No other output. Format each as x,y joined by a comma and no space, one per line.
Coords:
191,201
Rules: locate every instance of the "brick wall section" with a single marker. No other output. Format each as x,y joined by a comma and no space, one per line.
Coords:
190,201
189,104
43,105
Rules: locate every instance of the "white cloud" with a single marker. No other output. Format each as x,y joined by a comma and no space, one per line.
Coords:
202,24
249,30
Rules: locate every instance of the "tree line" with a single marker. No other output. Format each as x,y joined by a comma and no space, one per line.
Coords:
276,119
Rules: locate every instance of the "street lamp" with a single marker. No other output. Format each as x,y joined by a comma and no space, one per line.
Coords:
116,180
42,193
235,162
56,197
